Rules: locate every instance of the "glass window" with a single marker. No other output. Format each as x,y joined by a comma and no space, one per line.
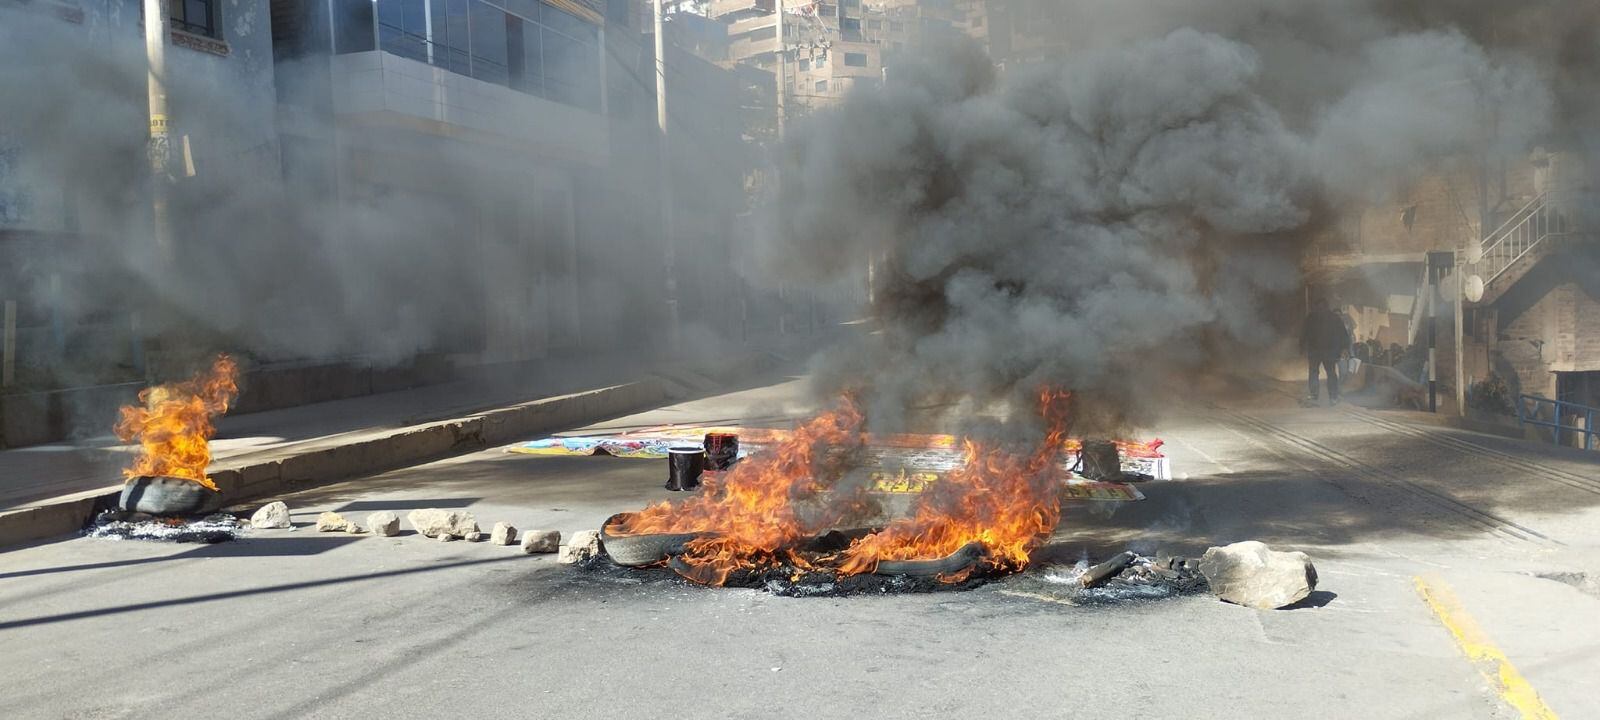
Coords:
874,24
352,22
455,38
896,27
527,9
805,64
198,17
767,33
849,24
564,22
850,3
402,29
571,72
822,60
855,59
488,28
822,86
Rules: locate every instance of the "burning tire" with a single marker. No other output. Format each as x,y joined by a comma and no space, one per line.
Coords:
640,550
168,496
964,558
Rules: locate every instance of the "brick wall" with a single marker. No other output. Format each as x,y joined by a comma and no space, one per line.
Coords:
1560,333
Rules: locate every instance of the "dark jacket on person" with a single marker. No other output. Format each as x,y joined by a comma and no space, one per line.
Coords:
1324,335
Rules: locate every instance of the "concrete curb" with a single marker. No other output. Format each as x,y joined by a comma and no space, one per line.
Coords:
246,479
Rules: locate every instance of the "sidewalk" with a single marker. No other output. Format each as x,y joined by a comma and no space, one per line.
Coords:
52,489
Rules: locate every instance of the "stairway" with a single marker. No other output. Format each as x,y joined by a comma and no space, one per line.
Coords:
1518,244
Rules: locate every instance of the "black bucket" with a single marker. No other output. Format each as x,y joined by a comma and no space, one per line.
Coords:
684,465
1100,460
721,450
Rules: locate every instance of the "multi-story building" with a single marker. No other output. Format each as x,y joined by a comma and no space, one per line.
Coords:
1523,237
73,133
831,46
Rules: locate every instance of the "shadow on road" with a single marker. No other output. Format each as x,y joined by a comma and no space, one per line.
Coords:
212,597
284,547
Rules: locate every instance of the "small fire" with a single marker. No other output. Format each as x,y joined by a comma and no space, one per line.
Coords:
1006,501
759,513
754,512
173,423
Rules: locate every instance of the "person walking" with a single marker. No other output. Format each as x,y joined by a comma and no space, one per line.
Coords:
1324,339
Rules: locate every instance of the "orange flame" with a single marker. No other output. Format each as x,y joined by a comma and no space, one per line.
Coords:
759,513
758,510
173,423
1007,501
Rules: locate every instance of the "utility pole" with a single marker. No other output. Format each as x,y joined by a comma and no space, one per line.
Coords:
777,155
1438,263
155,50
1461,355
669,242
783,86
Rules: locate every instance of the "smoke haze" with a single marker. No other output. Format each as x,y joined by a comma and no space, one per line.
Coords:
1133,212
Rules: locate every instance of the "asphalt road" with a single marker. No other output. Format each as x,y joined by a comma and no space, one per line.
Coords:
302,624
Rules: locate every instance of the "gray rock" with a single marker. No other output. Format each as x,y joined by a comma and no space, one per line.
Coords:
273,515
384,523
1251,574
585,544
541,541
473,536
503,534
431,522
444,537
334,522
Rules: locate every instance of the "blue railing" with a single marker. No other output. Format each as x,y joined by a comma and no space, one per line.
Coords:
1554,414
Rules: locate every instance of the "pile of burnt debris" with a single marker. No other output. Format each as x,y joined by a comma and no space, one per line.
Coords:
806,570
124,525
1126,577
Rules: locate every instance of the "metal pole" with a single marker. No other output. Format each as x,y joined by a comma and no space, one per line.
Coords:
777,169
669,248
1433,339
783,87
160,149
8,365
1461,369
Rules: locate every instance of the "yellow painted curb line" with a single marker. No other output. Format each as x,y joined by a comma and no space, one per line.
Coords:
1490,661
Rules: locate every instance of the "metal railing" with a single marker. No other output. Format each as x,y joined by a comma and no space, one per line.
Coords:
1553,414
1519,234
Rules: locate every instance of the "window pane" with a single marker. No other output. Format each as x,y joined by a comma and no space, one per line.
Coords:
563,21
570,73
532,60
196,16
805,64
822,86
855,59
489,43
528,9
352,23
455,23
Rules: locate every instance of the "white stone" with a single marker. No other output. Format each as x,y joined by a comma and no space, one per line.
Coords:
444,537
473,536
433,521
273,515
1251,574
541,541
503,534
585,544
334,522
384,523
